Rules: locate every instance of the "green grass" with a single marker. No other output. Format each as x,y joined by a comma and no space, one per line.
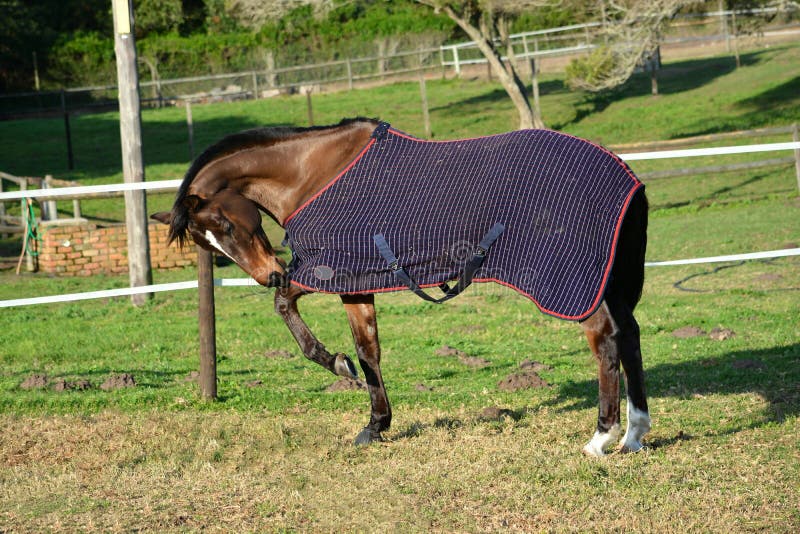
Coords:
722,454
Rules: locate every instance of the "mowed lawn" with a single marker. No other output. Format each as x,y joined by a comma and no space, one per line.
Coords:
721,347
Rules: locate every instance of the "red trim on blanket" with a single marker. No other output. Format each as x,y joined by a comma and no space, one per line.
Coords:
330,184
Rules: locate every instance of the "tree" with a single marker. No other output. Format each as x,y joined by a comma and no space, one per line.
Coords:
630,34
487,23
158,16
256,13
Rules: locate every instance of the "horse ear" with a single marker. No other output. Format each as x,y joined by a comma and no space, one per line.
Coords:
191,202
162,217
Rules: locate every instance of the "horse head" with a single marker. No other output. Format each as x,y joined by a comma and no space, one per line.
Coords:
227,223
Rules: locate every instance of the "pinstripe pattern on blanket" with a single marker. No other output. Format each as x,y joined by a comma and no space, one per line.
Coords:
561,199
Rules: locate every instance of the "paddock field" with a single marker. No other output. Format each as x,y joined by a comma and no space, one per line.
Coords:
721,347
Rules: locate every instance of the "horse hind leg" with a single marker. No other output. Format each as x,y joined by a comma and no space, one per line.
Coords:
638,416
603,336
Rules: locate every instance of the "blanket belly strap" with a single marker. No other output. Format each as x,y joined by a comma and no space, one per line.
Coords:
472,266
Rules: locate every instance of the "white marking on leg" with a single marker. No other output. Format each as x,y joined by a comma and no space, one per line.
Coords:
638,426
212,240
601,441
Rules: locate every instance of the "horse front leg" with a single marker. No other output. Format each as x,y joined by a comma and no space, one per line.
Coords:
363,323
604,336
286,306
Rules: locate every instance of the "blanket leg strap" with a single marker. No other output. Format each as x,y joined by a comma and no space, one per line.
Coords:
464,280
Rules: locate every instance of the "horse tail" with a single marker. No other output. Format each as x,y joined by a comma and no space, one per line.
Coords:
627,275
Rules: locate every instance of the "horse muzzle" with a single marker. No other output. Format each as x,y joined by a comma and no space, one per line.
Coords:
277,279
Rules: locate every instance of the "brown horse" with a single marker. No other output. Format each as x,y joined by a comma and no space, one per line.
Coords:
278,171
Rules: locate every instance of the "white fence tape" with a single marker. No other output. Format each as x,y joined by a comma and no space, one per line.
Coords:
732,257
125,292
90,189
245,282
174,184
714,151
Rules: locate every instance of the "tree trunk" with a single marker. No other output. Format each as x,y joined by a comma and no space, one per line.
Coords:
512,83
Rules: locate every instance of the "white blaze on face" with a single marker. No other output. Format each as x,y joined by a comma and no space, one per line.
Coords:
212,240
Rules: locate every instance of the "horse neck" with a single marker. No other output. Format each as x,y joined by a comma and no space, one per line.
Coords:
281,176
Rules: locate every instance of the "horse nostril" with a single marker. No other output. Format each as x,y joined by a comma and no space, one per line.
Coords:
277,279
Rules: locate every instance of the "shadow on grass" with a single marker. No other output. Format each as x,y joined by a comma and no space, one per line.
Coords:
730,193
771,373
675,78
96,143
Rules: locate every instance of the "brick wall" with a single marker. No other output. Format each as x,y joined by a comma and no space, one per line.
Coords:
85,250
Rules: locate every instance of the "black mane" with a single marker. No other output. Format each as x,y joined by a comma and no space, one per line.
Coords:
227,145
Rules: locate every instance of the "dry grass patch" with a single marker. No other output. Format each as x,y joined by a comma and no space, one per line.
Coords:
441,472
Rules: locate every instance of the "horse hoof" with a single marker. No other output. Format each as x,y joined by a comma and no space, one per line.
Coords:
367,436
592,451
343,366
601,441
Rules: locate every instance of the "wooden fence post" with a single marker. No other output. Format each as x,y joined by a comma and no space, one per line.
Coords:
207,325
190,128
309,106
349,74
426,119
67,132
130,128
2,211
49,207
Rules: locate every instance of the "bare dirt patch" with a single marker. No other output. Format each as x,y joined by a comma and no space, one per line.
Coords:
35,381
346,384
524,380
534,366
61,385
254,383
194,376
686,332
463,357
721,334
118,381
447,350
423,387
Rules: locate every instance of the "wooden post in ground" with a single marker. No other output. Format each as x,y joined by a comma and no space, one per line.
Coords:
190,128
426,118
67,132
130,127
309,106
207,325
3,212
537,109
49,207
349,74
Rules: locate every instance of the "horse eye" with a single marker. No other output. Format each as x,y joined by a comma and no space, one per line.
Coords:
227,227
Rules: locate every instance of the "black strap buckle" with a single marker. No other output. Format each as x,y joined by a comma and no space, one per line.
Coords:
472,266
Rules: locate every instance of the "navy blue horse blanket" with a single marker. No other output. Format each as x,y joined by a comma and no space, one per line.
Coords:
560,199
